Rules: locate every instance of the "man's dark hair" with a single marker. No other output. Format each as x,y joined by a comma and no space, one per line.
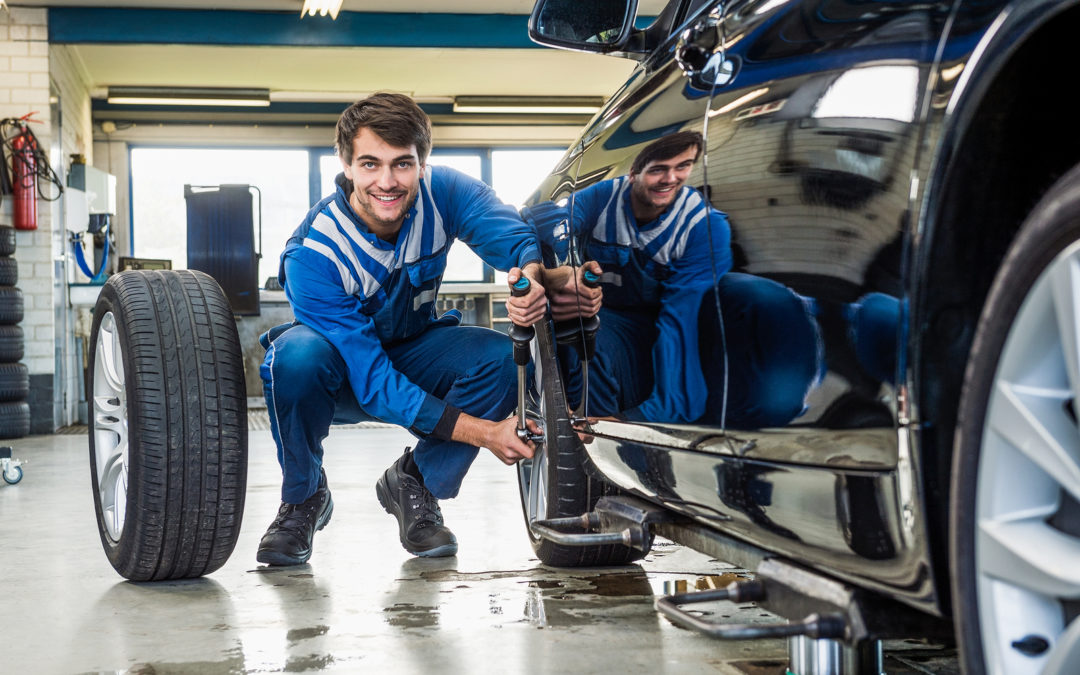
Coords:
667,147
395,118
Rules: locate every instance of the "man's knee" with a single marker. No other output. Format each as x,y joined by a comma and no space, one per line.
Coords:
494,373
302,358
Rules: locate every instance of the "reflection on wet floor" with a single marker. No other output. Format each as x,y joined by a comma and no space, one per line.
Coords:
362,604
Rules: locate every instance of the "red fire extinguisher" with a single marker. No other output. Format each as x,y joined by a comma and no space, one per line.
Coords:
24,179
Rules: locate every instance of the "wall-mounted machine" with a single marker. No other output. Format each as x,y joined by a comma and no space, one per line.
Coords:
90,206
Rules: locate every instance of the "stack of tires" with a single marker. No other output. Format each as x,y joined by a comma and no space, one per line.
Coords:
14,376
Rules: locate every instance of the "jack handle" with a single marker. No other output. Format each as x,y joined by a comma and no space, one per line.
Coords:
522,336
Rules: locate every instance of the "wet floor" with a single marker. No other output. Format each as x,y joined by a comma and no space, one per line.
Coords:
362,604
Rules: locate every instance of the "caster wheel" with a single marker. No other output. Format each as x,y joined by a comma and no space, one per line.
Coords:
13,475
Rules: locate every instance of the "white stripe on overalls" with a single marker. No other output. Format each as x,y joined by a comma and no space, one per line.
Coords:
688,210
347,238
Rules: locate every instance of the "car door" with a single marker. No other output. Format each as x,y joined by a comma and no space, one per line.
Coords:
812,127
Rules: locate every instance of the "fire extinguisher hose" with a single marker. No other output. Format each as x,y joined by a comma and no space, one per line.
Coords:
41,167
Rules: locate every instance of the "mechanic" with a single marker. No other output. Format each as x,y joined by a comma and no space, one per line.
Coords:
659,249
361,273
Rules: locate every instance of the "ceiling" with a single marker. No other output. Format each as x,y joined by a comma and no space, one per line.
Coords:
119,42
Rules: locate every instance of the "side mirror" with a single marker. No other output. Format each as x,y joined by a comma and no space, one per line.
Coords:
583,25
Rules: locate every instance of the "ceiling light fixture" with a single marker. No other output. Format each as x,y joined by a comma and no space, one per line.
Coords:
547,105
321,7
214,96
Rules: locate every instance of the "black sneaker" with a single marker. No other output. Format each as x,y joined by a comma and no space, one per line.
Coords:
288,540
420,521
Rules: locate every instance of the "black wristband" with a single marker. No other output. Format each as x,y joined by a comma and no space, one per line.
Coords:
444,429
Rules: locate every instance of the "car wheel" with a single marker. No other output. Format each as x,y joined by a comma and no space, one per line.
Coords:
168,427
554,483
1015,530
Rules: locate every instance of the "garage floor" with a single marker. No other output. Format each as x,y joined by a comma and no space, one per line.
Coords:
362,604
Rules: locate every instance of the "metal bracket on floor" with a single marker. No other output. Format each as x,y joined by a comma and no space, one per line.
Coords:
614,520
815,625
832,639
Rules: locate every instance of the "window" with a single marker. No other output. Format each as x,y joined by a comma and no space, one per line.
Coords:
516,173
461,263
159,213
158,176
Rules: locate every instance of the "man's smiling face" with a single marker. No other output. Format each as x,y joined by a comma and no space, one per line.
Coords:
386,180
654,188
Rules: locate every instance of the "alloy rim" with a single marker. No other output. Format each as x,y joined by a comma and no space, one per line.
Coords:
110,427
533,481
1027,505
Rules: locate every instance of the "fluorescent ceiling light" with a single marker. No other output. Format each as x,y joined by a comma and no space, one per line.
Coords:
880,92
189,96
739,102
550,105
321,7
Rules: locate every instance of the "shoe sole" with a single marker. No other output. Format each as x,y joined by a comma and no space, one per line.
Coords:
278,559
384,499
443,551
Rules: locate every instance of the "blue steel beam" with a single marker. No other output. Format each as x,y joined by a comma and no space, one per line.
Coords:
105,25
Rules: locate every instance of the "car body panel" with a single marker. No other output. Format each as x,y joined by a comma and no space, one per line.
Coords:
827,149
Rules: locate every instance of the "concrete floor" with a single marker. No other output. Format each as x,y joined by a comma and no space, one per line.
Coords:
362,604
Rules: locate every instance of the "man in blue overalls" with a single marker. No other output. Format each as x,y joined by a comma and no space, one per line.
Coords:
361,273
662,352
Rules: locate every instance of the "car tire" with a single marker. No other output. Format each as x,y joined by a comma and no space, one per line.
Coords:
14,419
9,271
12,347
554,483
7,240
14,381
12,306
1015,495
168,424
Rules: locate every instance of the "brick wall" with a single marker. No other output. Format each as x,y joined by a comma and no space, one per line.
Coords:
32,78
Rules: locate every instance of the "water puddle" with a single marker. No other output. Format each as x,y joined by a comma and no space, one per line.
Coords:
407,615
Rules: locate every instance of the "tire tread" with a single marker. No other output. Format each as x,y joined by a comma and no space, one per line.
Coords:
188,460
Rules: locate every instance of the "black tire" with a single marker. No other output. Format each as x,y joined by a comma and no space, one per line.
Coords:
9,271
14,419
7,240
571,491
14,382
12,347
168,424
1051,228
11,305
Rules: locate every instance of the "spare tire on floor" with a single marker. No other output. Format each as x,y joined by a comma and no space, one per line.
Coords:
168,424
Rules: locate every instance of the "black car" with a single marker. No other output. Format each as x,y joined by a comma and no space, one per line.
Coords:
885,427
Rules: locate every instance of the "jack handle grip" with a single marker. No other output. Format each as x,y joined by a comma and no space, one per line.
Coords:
591,324
521,335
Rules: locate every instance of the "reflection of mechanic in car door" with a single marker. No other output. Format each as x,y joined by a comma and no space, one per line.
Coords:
362,273
659,248
648,235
